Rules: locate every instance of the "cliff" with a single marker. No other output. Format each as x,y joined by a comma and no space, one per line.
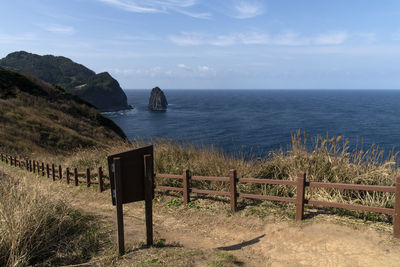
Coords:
157,100
104,92
101,90
38,116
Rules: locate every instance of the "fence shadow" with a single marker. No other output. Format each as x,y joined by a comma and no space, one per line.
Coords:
243,244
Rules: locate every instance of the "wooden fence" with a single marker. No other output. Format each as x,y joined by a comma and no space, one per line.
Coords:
300,184
58,172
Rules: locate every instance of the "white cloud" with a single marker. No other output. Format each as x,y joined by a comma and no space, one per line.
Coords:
258,38
143,37
203,68
255,38
247,9
331,38
182,70
204,71
223,40
187,38
205,15
183,66
131,6
192,38
290,39
60,29
157,6
17,38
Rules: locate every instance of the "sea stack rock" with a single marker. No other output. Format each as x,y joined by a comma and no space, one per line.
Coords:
157,100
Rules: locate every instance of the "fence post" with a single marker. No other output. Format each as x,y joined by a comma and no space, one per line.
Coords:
48,170
396,216
67,170
30,165
34,166
233,191
53,172
88,177
27,164
15,161
11,160
186,186
301,183
42,169
101,185
76,176
59,172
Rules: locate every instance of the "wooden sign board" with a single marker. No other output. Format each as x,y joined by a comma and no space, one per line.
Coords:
132,174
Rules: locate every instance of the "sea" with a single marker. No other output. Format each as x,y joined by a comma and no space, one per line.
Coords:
256,122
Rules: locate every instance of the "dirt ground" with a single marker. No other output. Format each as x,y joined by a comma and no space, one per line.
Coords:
257,242
207,234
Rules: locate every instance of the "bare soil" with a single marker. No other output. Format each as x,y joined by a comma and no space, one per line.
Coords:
270,241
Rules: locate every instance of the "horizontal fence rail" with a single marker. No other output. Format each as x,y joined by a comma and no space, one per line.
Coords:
54,172
91,177
301,184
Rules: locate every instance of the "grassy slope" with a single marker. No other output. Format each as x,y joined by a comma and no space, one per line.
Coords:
39,117
39,228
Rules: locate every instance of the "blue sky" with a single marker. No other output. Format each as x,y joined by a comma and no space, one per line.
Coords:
223,44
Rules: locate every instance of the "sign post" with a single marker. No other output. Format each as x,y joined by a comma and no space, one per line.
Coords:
149,187
132,179
118,203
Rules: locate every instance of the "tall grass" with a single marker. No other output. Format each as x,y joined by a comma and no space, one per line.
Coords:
36,230
323,159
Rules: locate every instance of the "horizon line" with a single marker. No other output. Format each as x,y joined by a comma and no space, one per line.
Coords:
265,89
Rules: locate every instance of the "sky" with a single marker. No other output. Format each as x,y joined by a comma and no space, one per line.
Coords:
215,44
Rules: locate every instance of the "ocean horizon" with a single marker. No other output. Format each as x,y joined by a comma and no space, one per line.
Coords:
257,121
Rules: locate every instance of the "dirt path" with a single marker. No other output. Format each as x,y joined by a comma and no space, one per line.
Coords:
255,242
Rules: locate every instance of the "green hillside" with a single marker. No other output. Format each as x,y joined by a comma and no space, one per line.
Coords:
101,90
37,116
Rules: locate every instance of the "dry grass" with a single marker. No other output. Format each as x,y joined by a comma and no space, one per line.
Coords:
37,230
324,159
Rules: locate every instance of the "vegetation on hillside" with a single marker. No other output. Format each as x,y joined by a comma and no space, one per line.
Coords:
38,117
55,70
101,90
